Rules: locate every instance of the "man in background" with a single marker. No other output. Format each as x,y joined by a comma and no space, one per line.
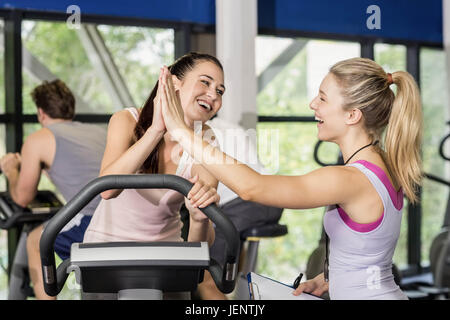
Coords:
70,153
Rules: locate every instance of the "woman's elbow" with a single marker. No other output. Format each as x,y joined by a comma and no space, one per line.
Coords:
252,189
247,193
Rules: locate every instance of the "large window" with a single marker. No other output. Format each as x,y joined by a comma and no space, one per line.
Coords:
289,75
107,67
433,85
393,58
434,88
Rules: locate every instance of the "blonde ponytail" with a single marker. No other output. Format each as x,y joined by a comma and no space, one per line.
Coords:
404,135
366,86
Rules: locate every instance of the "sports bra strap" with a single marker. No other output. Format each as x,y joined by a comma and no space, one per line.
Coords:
134,112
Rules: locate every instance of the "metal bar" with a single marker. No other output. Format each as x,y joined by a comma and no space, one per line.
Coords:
286,119
13,87
102,61
414,211
182,40
367,49
13,101
82,117
280,62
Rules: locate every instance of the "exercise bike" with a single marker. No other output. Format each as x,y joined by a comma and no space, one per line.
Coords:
436,284
43,207
136,270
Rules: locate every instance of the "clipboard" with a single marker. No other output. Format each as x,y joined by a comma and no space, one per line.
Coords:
264,288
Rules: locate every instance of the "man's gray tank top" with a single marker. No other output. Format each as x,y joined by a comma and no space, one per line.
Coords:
78,157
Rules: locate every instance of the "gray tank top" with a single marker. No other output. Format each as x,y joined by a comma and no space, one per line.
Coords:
361,254
78,156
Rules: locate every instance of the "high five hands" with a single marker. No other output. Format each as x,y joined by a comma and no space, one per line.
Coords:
170,104
171,112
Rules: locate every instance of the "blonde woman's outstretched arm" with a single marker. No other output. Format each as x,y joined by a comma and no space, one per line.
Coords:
318,188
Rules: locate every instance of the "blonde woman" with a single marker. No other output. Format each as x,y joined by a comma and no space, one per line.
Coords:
354,106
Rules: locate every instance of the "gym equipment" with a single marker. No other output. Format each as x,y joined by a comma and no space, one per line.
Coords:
137,270
440,247
42,208
436,284
253,235
251,238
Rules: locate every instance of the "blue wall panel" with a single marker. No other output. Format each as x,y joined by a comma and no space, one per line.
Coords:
414,20
419,20
197,11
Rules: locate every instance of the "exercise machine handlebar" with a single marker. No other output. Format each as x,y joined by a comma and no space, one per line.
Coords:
441,146
320,162
224,276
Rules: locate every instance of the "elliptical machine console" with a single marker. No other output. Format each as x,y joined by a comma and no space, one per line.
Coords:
137,270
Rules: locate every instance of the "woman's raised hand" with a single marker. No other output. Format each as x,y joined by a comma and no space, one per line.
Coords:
171,105
158,120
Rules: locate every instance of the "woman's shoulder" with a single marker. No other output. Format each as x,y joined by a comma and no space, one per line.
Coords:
377,165
122,123
129,115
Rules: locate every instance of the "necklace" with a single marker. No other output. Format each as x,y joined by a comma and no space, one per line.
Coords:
370,144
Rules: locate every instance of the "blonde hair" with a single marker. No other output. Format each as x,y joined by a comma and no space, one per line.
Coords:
366,86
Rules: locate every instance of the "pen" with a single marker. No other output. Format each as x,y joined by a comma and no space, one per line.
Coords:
250,286
297,280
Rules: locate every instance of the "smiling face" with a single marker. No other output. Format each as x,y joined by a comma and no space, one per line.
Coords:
201,92
328,110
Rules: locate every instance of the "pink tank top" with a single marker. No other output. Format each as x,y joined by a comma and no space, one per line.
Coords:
140,214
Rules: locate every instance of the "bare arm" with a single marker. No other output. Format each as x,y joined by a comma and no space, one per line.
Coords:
321,187
200,228
24,172
318,188
122,154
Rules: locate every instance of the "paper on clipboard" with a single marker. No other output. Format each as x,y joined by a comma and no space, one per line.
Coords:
263,288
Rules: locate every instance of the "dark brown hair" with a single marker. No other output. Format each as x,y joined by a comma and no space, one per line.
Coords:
55,99
179,68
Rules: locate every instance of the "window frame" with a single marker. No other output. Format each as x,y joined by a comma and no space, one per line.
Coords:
13,118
